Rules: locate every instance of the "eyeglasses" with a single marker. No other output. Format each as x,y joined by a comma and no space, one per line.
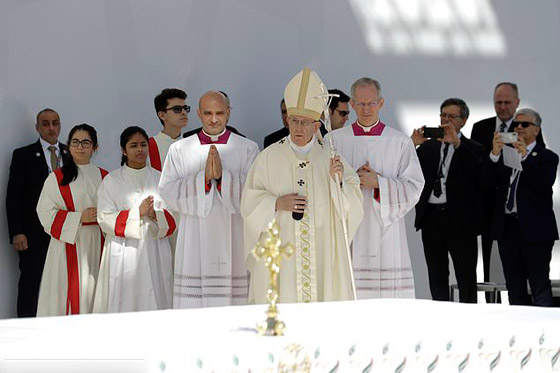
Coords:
303,123
343,113
362,105
450,116
177,109
86,144
522,124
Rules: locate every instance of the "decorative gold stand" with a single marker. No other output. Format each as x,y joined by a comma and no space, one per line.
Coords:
269,248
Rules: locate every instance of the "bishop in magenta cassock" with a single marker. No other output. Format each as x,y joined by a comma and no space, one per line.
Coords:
391,180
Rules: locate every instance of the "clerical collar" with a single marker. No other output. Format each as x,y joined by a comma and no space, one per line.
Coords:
302,149
221,138
374,130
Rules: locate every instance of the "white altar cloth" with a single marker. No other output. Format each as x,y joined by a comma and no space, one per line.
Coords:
384,335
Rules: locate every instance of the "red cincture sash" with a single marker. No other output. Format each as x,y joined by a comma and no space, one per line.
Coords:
170,223
73,293
153,152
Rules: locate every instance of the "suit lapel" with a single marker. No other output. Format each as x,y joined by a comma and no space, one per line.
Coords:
40,160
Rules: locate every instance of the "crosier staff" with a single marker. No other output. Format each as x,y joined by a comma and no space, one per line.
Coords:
326,97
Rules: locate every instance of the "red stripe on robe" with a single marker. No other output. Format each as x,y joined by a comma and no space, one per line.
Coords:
153,151
103,174
376,194
58,223
170,223
65,191
120,224
73,292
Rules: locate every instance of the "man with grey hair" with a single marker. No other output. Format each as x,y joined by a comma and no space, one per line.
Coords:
506,101
523,221
391,181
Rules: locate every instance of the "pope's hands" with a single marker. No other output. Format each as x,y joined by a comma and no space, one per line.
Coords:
291,202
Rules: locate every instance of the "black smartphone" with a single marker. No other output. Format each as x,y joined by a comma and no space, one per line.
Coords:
433,132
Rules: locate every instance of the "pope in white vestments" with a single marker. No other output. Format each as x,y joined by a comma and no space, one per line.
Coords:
135,273
387,158
202,179
296,176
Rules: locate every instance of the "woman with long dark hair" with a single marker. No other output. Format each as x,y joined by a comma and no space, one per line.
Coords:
67,210
135,272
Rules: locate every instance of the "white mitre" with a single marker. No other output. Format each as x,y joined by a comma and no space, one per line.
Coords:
303,95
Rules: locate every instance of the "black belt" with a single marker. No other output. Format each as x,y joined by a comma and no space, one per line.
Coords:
438,206
512,215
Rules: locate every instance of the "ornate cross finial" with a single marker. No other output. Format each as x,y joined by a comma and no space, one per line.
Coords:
270,248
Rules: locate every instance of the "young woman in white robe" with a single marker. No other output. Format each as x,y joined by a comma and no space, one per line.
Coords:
135,272
67,211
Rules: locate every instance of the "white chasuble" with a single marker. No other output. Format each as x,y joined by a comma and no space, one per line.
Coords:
320,269
381,259
72,263
135,272
209,267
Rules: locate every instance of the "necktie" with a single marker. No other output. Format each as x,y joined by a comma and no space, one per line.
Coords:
503,127
437,185
512,190
54,158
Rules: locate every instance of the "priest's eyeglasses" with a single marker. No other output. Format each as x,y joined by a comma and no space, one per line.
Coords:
86,144
177,109
302,123
450,116
362,105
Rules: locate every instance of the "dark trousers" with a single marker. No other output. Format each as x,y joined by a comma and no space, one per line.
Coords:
523,260
489,198
31,263
439,239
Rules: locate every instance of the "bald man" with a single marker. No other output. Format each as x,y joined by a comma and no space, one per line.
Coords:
202,179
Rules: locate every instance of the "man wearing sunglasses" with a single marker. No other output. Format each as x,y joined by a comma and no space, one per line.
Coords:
448,213
338,108
202,179
506,101
172,112
523,221
391,182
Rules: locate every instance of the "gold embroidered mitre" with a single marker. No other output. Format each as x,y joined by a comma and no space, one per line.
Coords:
303,95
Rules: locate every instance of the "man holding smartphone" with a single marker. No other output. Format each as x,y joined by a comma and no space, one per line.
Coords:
523,221
448,212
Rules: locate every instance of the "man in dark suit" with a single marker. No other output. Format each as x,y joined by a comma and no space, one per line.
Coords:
523,222
281,133
448,211
506,102
30,167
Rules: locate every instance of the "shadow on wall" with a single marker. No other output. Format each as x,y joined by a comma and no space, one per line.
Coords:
15,116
